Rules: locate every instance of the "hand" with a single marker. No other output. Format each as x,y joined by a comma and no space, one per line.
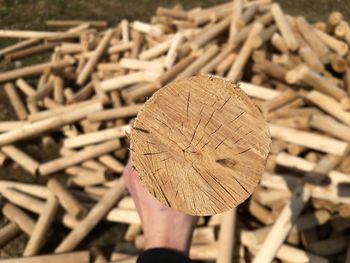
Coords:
163,227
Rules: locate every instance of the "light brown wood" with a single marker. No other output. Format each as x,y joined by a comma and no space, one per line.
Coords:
70,23
73,257
8,232
284,27
23,200
282,225
16,101
20,157
237,67
17,215
35,128
307,139
66,199
312,39
32,70
226,237
47,215
92,219
197,129
91,63
329,105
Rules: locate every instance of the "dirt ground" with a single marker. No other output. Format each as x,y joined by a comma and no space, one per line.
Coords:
32,14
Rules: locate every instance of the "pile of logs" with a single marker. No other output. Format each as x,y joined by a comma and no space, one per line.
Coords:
98,78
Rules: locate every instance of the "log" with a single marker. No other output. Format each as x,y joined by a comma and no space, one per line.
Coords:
121,112
8,233
329,105
244,54
143,135
226,237
312,39
282,225
97,137
18,45
92,219
37,239
81,156
33,70
16,102
331,126
91,63
38,127
73,257
284,27
16,215
71,23
310,140
21,158
66,199
23,200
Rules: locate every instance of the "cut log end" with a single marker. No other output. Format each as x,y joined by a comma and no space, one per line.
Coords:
200,145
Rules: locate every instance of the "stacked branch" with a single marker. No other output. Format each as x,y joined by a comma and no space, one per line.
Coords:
98,78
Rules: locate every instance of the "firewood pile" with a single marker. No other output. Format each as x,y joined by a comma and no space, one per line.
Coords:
96,81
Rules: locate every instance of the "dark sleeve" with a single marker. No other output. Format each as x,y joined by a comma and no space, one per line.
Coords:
161,255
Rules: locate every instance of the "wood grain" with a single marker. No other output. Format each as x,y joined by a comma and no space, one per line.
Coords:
200,145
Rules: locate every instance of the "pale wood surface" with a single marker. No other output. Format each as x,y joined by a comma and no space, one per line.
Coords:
195,152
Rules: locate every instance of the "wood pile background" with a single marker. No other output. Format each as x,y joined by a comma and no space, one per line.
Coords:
98,78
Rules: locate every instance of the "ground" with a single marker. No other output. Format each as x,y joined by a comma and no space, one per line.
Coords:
32,14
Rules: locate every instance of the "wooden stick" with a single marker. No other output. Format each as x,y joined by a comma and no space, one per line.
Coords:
23,200
284,27
329,105
38,127
236,16
21,158
15,214
27,34
33,70
66,199
16,102
259,91
244,54
199,62
41,48
96,137
74,257
312,39
71,23
91,63
338,46
313,141
25,87
86,154
282,225
19,45
215,61
92,219
35,190
279,101
210,33
331,126
43,224
278,42
156,50
226,237
335,18
8,233
132,78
